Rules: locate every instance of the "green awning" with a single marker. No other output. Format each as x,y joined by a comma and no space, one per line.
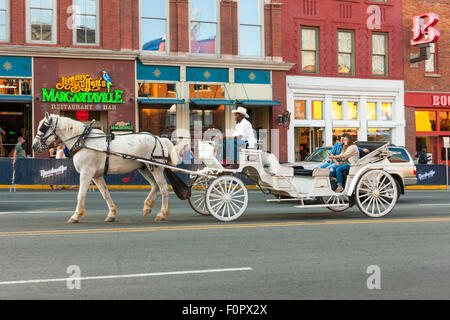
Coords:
211,102
160,101
258,102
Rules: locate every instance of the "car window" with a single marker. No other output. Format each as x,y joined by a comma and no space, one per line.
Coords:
399,155
318,156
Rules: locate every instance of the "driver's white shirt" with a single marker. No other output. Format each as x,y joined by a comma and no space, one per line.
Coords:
244,129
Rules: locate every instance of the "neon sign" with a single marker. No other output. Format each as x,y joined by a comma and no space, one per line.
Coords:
82,88
424,32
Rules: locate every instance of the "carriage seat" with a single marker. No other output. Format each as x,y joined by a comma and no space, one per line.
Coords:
316,172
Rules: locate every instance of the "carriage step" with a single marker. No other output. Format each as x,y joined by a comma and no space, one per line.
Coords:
321,205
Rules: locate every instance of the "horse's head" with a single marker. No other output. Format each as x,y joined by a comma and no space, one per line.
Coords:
46,134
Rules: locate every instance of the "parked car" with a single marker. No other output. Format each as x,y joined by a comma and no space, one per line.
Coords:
400,165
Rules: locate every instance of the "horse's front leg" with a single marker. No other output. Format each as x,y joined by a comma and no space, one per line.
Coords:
113,212
160,180
80,211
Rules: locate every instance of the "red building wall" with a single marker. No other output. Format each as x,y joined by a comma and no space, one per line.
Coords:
331,15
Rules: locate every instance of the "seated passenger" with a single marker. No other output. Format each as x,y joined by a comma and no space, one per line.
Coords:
349,155
336,150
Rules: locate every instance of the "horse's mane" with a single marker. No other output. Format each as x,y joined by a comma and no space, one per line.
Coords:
77,127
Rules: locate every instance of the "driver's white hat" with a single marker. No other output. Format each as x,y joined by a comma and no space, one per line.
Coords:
241,110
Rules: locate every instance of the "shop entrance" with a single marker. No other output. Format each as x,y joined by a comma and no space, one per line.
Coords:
15,121
307,140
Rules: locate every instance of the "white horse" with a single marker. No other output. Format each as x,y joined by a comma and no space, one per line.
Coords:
90,164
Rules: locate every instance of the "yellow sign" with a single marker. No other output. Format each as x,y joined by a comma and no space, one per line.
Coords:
83,82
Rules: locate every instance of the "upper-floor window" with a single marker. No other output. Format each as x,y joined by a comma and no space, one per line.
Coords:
41,21
86,22
250,28
310,49
4,20
154,25
346,58
203,18
379,54
430,63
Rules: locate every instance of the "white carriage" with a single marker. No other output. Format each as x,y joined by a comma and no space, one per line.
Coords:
222,192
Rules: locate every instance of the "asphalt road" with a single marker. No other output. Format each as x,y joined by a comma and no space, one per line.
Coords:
274,251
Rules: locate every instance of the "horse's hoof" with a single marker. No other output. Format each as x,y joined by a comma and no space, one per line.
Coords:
72,220
159,218
110,219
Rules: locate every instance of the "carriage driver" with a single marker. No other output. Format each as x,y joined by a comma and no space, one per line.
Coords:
243,134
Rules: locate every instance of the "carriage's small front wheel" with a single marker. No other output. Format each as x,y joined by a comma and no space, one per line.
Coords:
227,198
197,200
338,203
376,193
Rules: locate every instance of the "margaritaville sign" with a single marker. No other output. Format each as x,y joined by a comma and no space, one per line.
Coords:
83,88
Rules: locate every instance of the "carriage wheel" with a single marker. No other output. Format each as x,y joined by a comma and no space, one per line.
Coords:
227,198
343,200
197,198
376,193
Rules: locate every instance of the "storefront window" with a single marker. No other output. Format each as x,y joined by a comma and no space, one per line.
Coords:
425,121
317,110
250,28
157,90
300,109
371,110
203,26
386,111
158,119
445,120
336,109
379,135
154,25
352,111
338,132
15,86
206,91
211,117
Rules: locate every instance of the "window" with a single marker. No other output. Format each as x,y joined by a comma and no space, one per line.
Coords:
4,20
300,109
310,49
250,28
352,111
379,135
386,111
157,119
41,24
425,121
156,90
15,86
444,120
86,22
203,26
398,155
317,107
430,63
206,91
336,110
379,54
345,52
371,110
154,25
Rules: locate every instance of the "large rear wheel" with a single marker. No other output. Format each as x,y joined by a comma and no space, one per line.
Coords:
376,193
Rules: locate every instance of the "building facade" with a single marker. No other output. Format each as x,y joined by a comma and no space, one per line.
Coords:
141,65
348,76
427,85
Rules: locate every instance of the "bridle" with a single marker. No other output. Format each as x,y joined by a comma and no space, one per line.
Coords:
42,132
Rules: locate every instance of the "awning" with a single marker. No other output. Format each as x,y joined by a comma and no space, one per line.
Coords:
212,102
258,102
160,101
15,98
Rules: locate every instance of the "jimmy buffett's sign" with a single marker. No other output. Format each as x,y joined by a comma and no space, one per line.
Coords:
82,89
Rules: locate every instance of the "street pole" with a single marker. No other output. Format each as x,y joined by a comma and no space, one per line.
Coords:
446,146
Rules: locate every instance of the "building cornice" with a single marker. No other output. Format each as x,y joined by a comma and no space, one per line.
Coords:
197,61
57,52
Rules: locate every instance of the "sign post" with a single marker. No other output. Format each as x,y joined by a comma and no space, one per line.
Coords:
446,146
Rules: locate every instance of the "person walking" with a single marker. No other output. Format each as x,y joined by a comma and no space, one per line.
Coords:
423,156
19,153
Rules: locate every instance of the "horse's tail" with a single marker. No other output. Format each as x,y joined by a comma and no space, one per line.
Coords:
174,157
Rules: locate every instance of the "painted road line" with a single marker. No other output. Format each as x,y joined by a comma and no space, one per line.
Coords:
137,275
35,211
434,204
218,226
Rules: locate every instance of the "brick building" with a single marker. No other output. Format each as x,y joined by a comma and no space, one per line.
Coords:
348,75
170,62
427,84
